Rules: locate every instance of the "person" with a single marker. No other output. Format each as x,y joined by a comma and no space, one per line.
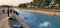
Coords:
8,12
11,19
3,11
16,12
21,27
11,11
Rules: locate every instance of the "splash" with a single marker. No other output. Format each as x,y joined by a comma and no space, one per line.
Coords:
45,25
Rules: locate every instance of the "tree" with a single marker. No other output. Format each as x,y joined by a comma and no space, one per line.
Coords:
40,3
58,1
22,5
6,6
37,2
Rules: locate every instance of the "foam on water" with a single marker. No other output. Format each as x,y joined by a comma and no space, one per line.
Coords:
45,25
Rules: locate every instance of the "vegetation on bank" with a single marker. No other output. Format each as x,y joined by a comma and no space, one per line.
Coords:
5,6
42,4
50,4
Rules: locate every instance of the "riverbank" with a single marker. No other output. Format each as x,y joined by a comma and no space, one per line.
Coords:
44,11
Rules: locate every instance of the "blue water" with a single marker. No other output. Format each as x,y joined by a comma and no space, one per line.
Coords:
38,20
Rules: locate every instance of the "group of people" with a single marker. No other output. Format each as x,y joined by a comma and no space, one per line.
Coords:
9,11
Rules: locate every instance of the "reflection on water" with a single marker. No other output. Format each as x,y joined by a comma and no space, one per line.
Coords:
38,20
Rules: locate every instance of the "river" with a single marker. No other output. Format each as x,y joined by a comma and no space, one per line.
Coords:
38,20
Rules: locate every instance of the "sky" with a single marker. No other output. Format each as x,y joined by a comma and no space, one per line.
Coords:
13,2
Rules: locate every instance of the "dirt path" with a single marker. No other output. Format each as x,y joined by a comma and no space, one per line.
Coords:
3,19
4,23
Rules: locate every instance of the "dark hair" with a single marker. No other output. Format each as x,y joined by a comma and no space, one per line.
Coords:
16,12
11,19
21,27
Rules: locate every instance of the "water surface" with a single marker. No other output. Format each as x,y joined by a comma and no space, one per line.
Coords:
38,20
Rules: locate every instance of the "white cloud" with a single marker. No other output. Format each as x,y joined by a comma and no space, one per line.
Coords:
13,2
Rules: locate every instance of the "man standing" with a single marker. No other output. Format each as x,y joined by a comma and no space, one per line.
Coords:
8,11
